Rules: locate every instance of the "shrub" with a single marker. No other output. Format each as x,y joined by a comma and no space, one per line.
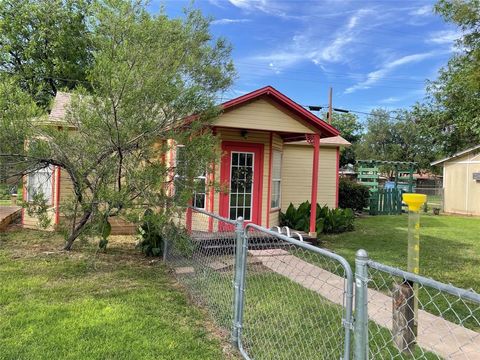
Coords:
151,239
328,221
158,228
352,195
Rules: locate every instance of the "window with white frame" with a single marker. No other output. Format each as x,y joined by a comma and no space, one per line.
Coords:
276,179
40,182
181,166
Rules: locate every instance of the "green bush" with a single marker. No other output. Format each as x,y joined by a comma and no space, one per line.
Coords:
157,228
352,195
328,221
150,233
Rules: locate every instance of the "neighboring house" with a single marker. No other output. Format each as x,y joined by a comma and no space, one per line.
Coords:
461,182
275,152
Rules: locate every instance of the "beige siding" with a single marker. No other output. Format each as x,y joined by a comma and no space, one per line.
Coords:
275,218
461,191
263,115
66,186
297,175
277,144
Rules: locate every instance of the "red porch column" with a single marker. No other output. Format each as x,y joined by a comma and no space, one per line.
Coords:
211,195
188,218
313,200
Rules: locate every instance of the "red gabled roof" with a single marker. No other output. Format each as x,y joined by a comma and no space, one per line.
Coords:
325,129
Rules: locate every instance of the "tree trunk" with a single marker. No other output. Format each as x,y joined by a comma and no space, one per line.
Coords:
77,231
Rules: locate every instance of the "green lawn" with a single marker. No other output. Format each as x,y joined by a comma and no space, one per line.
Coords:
449,245
58,305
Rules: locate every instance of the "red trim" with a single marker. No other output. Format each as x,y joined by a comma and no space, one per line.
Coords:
171,172
53,186
269,196
258,149
24,197
325,129
188,218
313,199
337,177
57,193
211,196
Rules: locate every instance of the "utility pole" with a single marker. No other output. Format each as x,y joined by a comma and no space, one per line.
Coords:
330,109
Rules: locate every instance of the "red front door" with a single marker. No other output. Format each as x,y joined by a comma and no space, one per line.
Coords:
241,173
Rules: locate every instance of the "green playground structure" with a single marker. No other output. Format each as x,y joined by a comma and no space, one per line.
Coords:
386,200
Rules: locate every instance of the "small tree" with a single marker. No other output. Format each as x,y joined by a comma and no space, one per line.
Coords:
152,79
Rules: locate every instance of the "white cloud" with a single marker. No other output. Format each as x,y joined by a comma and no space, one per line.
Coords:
422,11
443,37
377,75
310,46
270,7
229,21
390,100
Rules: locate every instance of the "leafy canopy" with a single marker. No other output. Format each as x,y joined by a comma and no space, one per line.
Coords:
149,75
452,110
45,45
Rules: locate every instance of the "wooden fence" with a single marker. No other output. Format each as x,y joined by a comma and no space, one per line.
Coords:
386,202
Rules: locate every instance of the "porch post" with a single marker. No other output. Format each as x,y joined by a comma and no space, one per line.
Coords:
211,195
188,217
313,199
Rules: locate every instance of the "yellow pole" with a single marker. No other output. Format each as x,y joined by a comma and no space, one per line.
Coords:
414,202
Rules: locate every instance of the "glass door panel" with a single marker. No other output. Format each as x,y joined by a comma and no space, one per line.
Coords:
241,184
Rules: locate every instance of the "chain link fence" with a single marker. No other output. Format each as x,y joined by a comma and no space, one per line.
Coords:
203,261
434,196
278,297
413,317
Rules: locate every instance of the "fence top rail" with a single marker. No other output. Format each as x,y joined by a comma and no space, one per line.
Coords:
448,288
326,253
215,216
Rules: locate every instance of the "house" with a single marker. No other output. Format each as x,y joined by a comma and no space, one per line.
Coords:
461,182
275,152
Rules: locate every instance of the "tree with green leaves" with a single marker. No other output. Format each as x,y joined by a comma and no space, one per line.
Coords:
351,130
452,110
45,45
396,136
152,79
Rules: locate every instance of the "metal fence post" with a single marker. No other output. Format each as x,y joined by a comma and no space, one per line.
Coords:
239,239
361,305
165,250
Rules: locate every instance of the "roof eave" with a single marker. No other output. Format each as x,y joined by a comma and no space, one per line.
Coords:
461,153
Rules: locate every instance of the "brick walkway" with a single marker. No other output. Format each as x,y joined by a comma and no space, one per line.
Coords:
8,214
435,334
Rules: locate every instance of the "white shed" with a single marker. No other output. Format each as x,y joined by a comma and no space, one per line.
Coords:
461,182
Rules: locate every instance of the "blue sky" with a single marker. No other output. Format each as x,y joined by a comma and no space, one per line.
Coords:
373,53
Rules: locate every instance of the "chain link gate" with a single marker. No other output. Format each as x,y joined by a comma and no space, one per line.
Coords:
292,299
289,299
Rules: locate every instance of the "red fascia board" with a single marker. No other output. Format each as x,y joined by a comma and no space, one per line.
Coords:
326,130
